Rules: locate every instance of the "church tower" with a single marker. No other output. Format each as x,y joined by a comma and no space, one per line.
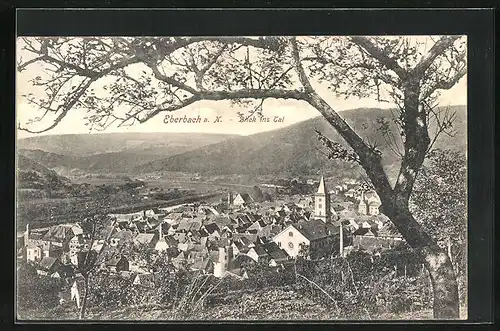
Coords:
322,202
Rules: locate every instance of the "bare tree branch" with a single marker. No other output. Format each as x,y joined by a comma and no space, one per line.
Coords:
380,55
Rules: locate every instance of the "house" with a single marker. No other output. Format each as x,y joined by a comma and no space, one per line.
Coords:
146,239
369,203
205,265
240,246
60,235
268,253
211,228
373,208
351,193
222,221
48,265
321,238
33,252
371,240
305,202
276,254
242,199
258,253
173,217
121,238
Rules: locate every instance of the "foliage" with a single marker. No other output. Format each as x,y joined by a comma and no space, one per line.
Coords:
439,202
362,285
34,292
257,194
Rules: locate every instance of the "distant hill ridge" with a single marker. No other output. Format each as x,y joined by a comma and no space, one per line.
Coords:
295,149
110,152
81,145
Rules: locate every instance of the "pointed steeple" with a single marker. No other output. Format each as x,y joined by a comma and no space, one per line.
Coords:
321,188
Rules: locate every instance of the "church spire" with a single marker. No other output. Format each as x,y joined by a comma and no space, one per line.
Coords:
321,188
322,202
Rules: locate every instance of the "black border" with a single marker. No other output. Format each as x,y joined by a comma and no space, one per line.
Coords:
477,24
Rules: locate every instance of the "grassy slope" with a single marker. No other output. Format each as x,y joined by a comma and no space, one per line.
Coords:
271,304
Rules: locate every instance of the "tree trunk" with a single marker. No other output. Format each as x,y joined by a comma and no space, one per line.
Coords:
436,260
84,300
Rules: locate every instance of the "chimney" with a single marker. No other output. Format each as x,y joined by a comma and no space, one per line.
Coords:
341,248
27,235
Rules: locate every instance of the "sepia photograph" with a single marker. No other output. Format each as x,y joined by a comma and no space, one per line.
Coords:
241,178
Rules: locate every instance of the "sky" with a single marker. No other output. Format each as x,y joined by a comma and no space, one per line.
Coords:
288,111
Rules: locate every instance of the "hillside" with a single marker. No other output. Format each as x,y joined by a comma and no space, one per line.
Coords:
34,176
295,150
113,152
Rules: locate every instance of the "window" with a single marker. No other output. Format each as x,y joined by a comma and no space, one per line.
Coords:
320,205
319,214
319,199
290,244
290,234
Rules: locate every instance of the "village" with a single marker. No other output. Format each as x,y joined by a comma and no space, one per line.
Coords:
218,238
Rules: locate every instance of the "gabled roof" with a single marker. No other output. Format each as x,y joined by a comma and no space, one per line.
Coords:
47,263
210,228
246,197
59,233
202,264
181,256
273,250
172,251
145,238
31,245
364,231
124,236
316,229
389,231
185,225
170,240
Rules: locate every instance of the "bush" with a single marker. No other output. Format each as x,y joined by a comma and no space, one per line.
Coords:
36,293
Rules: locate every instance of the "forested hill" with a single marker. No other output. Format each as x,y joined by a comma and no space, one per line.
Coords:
296,150
33,175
